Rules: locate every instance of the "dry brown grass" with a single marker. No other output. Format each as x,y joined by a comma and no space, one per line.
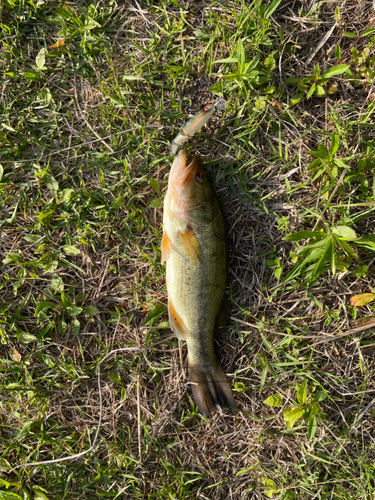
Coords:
149,405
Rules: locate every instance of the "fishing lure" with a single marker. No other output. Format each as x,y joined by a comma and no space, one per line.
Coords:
195,123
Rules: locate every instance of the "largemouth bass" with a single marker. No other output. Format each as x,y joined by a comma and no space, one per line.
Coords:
194,249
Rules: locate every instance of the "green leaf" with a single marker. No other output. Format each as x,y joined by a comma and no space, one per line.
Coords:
293,80
274,400
302,392
8,495
311,427
25,337
320,395
303,235
156,203
337,51
227,60
263,376
291,415
62,327
247,469
335,143
346,248
91,310
322,152
325,257
311,91
57,284
278,272
366,242
314,255
155,185
12,218
5,483
66,194
240,55
271,9
333,261
157,311
51,183
32,238
370,31
71,250
12,257
340,163
114,377
320,90
271,491
39,493
46,96
5,466
43,306
344,233
314,409
1,172
296,98
74,310
41,59
7,127
66,302
46,216
240,387
75,326
90,23
336,70
132,78
269,63
316,244
31,75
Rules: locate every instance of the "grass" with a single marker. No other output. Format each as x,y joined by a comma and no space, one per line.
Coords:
92,96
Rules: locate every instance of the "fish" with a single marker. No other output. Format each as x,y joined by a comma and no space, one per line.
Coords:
195,123
194,249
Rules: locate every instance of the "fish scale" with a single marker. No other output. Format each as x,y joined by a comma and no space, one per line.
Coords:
194,249
200,285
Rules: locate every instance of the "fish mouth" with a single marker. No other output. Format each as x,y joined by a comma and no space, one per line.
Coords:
182,170
183,160
189,171
193,162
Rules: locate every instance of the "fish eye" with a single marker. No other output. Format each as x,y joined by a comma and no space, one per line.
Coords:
199,177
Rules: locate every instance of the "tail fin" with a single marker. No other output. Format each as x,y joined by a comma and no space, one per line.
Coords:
210,387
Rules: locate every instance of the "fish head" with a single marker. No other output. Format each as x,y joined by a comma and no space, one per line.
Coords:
188,185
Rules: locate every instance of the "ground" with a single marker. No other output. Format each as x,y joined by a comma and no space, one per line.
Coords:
92,96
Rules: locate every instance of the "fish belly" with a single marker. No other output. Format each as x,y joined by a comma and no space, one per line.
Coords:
196,288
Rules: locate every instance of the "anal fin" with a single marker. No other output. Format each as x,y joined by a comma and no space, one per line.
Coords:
176,323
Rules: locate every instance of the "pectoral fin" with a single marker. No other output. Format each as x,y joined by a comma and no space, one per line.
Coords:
176,323
190,245
166,247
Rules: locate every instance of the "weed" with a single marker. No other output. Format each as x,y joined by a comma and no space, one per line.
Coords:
314,84
91,97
